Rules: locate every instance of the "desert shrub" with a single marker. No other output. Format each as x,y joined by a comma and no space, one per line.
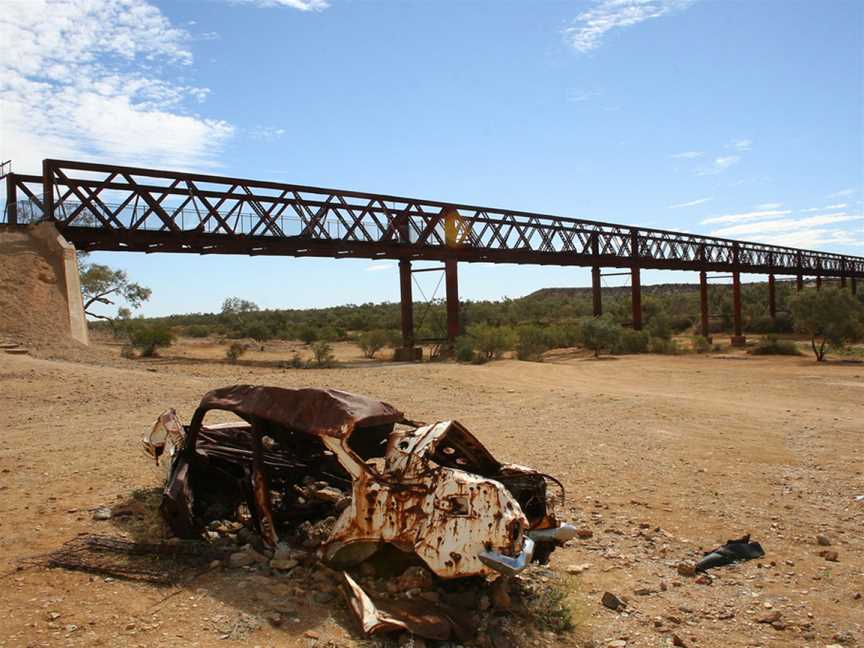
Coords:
600,334
680,323
660,326
198,331
128,351
464,350
147,338
774,346
663,346
701,344
371,342
492,341
296,362
767,324
563,336
550,610
322,352
307,334
234,351
532,342
830,317
630,341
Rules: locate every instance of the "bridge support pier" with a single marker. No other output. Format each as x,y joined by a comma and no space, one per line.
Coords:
853,283
407,352
451,280
703,304
595,291
636,298
799,283
819,282
11,200
772,297
842,281
738,338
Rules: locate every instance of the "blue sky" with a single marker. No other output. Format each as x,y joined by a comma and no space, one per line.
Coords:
742,119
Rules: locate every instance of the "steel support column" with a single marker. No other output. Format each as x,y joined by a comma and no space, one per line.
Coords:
799,283
11,200
703,303
853,283
842,281
47,190
818,282
738,338
406,300
772,297
635,281
452,284
595,291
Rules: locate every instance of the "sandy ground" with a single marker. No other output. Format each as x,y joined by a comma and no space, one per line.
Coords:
661,457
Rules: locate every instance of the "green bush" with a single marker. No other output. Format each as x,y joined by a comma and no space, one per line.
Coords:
147,338
600,334
767,324
234,351
197,331
492,342
663,346
307,334
630,341
660,326
773,346
701,344
371,342
563,336
532,342
464,350
322,352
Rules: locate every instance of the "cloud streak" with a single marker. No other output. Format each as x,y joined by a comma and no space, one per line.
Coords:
300,5
687,155
692,203
88,79
591,26
785,225
747,216
720,164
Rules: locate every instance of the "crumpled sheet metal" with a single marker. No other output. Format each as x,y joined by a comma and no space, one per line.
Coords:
320,412
421,618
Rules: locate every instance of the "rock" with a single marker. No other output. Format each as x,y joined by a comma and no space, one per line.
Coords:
584,534
241,558
703,579
678,641
285,564
770,617
686,569
53,616
577,569
823,540
644,591
612,602
414,578
617,643
102,513
831,555
499,593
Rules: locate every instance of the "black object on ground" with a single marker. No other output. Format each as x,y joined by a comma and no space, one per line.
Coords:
733,551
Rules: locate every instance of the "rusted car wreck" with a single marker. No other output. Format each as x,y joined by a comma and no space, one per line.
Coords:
294,460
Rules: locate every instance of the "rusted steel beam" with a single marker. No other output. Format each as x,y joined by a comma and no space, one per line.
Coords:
406,301
635,281
853,283
451,280
772,297
818,282
703,303
799,283
11,199
737,328
595,291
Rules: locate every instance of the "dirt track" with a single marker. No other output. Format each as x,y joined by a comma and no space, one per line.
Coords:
661,456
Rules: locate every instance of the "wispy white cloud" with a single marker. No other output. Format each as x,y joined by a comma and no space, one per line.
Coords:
747,216
266,133
741,145
688,155
785,225
302,5
843,193
769,206
591,26
378,267
88,79
692,203
578,96
816,238
826,208
720,164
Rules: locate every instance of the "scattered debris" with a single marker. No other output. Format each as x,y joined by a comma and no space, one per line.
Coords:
823,540
830,555
686,569
346,475
733,551
102,513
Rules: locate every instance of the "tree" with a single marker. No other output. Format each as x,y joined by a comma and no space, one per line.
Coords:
492,341
371,342
149,337
236,306
600,334
99,284
830,317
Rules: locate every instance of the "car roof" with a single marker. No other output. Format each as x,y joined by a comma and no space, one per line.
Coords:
319,412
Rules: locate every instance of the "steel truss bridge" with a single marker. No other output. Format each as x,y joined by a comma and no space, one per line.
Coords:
120,208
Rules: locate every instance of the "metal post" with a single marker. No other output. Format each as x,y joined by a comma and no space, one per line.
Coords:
842,281
406,301
452,285
853,283
738,338
11,200
772,297
819,282
799,283
635,281
703,302
47,190
595,291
